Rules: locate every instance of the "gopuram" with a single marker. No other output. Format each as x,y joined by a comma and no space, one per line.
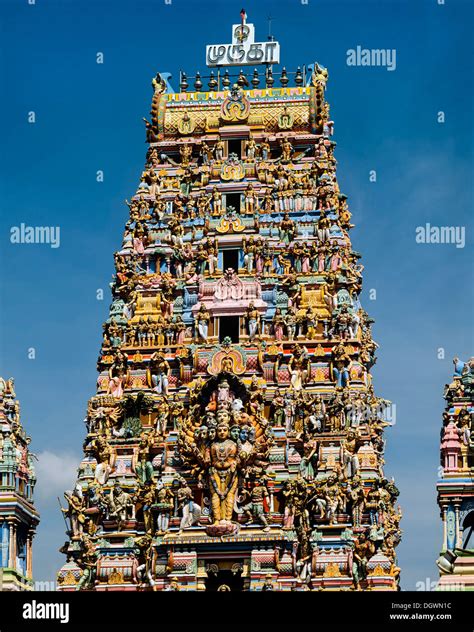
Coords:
456,482
235,441
18,516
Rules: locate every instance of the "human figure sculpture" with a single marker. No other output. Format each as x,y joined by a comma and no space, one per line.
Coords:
163,507
223,462
286,149
191,511
158,373
254,505
253,321
299,367
278,324
202,318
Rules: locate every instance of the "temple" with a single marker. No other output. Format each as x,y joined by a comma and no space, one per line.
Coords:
235,441
18,516
456,481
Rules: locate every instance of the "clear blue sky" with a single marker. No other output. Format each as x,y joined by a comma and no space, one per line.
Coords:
88,118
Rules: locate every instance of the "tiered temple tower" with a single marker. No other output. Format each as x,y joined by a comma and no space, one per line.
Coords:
235,441
18,516
456,482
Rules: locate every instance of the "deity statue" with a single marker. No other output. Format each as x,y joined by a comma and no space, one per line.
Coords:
265,149
186,152
333,497
349,447
163,506
158,372
250,149
287,229
249,253
120,505
219,148
253,321
105,459
317,416
363,551
141,463
205,153
357,496
251,199
286,149
299,367
119,374
223,460
268,583
202,319
75,511
277,408
340,365
255,504
308,463
145,498
278,324
216,203
191,511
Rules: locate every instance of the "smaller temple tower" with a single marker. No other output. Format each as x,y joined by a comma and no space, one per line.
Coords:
18,516
456,482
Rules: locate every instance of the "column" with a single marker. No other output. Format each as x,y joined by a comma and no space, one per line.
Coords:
29,555
458,530
14,552
11,546
445,531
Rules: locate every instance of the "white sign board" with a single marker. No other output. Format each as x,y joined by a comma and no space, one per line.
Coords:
244,50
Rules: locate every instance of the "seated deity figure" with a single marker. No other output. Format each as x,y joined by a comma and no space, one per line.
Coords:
120,505
318,415
254,505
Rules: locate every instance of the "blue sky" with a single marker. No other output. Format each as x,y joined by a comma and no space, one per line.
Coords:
88,118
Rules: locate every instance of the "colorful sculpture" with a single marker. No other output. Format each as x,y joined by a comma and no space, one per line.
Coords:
253,435
18,516
456,481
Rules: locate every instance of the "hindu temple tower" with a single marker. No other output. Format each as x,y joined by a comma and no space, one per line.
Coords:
235,441
456,481
18,516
